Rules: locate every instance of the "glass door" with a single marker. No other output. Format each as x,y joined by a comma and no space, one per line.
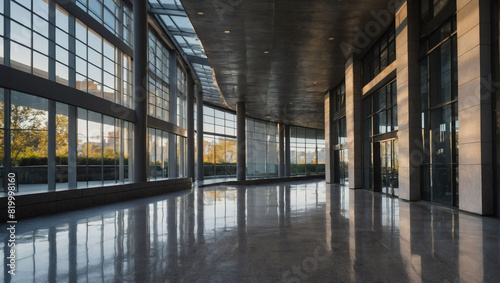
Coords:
389,168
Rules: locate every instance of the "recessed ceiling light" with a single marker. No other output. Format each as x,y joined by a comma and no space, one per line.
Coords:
201,13
315,83
266,52
331,38
227,31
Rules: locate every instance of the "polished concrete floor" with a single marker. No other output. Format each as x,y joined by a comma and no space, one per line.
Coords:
290,232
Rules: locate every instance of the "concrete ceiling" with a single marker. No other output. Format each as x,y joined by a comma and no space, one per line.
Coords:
288,83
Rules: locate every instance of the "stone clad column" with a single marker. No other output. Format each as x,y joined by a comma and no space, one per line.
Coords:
408,101
475,106
329,139
354,121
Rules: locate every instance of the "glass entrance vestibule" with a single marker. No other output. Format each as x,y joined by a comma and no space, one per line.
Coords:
380,144
385,161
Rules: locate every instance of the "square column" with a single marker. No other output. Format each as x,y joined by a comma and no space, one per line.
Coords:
190,126
354,121
287,151
329,139
475,106
408,101
281,146
199,132
140,91
240,137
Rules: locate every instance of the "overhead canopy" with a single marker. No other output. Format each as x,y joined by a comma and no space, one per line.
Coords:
280,57
174,19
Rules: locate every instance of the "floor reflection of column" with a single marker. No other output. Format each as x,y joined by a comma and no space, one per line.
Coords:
154,253
328,216
119,248
352,233
200,219
72,252
281,205
141,244
172,238
182,224
190,220
339,242
412,260
470,249
242,224
287,204
272,201
52,254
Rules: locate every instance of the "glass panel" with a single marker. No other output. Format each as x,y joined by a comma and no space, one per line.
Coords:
20,57
152,153
29,141
441,135
95,149
62,145
110,152
165,154
82,148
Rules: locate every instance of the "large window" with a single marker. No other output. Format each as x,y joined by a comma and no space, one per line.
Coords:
158,154
102,144
219,143
431,8
181,98
97,70
104,147
158,87
439,84
307,151
100,68
29,139
381,55
382,108
29,33
261,148
114,15
339,93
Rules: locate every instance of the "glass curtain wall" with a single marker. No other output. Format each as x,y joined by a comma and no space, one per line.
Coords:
219,143
103,144
114,15
440,115
262,148
307,151
100,69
